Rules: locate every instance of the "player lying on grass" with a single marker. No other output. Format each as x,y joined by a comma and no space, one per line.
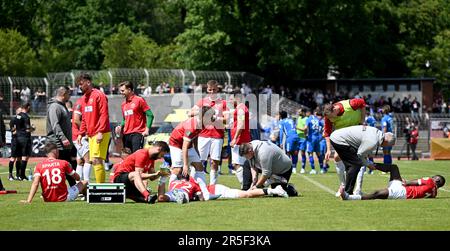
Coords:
51,174
187,189
399,188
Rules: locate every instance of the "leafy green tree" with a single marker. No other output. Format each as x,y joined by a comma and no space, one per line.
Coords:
16,57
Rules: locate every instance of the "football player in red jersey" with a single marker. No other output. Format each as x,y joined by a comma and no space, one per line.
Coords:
181,150
399,188
210,140
137,118
138,167
51,175
187,189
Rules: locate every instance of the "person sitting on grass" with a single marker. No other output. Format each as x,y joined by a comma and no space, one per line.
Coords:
399,188
51,174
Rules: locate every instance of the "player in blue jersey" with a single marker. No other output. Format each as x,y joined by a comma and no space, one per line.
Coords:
289,140
314,129
387,125
372,122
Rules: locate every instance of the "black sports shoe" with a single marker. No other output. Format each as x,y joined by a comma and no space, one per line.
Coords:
152,199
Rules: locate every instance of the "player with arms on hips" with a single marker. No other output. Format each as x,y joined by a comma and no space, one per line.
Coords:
210,140
182,152
399,188
51,174
342,114
137,118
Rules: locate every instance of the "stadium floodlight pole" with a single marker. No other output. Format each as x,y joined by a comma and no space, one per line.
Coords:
110,82
47,85
73,80
195,77
229,77
11,95
182,77
147,77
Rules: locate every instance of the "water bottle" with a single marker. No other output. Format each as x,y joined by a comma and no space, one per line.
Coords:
30,175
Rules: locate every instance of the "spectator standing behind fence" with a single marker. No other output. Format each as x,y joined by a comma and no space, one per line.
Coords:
413,140
39,100
137,118
59,127
25,95
94,124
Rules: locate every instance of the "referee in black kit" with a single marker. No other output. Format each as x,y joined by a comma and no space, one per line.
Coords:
354,144
21,144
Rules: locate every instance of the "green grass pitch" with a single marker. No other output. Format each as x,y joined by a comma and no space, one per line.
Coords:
315,209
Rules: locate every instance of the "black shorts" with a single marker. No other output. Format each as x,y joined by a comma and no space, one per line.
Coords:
130,189
20,147
133,141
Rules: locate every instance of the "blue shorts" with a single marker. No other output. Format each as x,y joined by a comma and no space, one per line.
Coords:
302,144
387,148
323,147
313,145
292,144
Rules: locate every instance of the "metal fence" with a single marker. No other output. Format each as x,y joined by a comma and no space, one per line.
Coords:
17,90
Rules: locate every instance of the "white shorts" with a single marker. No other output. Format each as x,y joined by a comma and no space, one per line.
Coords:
83,148
235,157
177,156
396,190
226,192
211,147
73,193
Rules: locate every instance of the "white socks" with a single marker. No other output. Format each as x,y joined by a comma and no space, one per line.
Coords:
240,174
359,181
79,171
200,175
213,177
203,188
172,178
86,171
340,171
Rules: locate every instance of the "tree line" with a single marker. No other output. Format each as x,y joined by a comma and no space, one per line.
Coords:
281,40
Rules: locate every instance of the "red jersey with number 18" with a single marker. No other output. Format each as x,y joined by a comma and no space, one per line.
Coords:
53,179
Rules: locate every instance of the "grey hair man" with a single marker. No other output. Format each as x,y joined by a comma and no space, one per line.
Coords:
271,161
354,144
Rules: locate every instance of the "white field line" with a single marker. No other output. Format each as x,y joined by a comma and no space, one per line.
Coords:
318,185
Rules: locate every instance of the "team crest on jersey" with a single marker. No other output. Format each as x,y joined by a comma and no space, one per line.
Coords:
91,101
133,105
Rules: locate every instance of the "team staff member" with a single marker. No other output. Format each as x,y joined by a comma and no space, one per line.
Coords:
271,161
136,168
51,175
94,124
59,128
137,118
344,113
21,146
210,140
354,144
